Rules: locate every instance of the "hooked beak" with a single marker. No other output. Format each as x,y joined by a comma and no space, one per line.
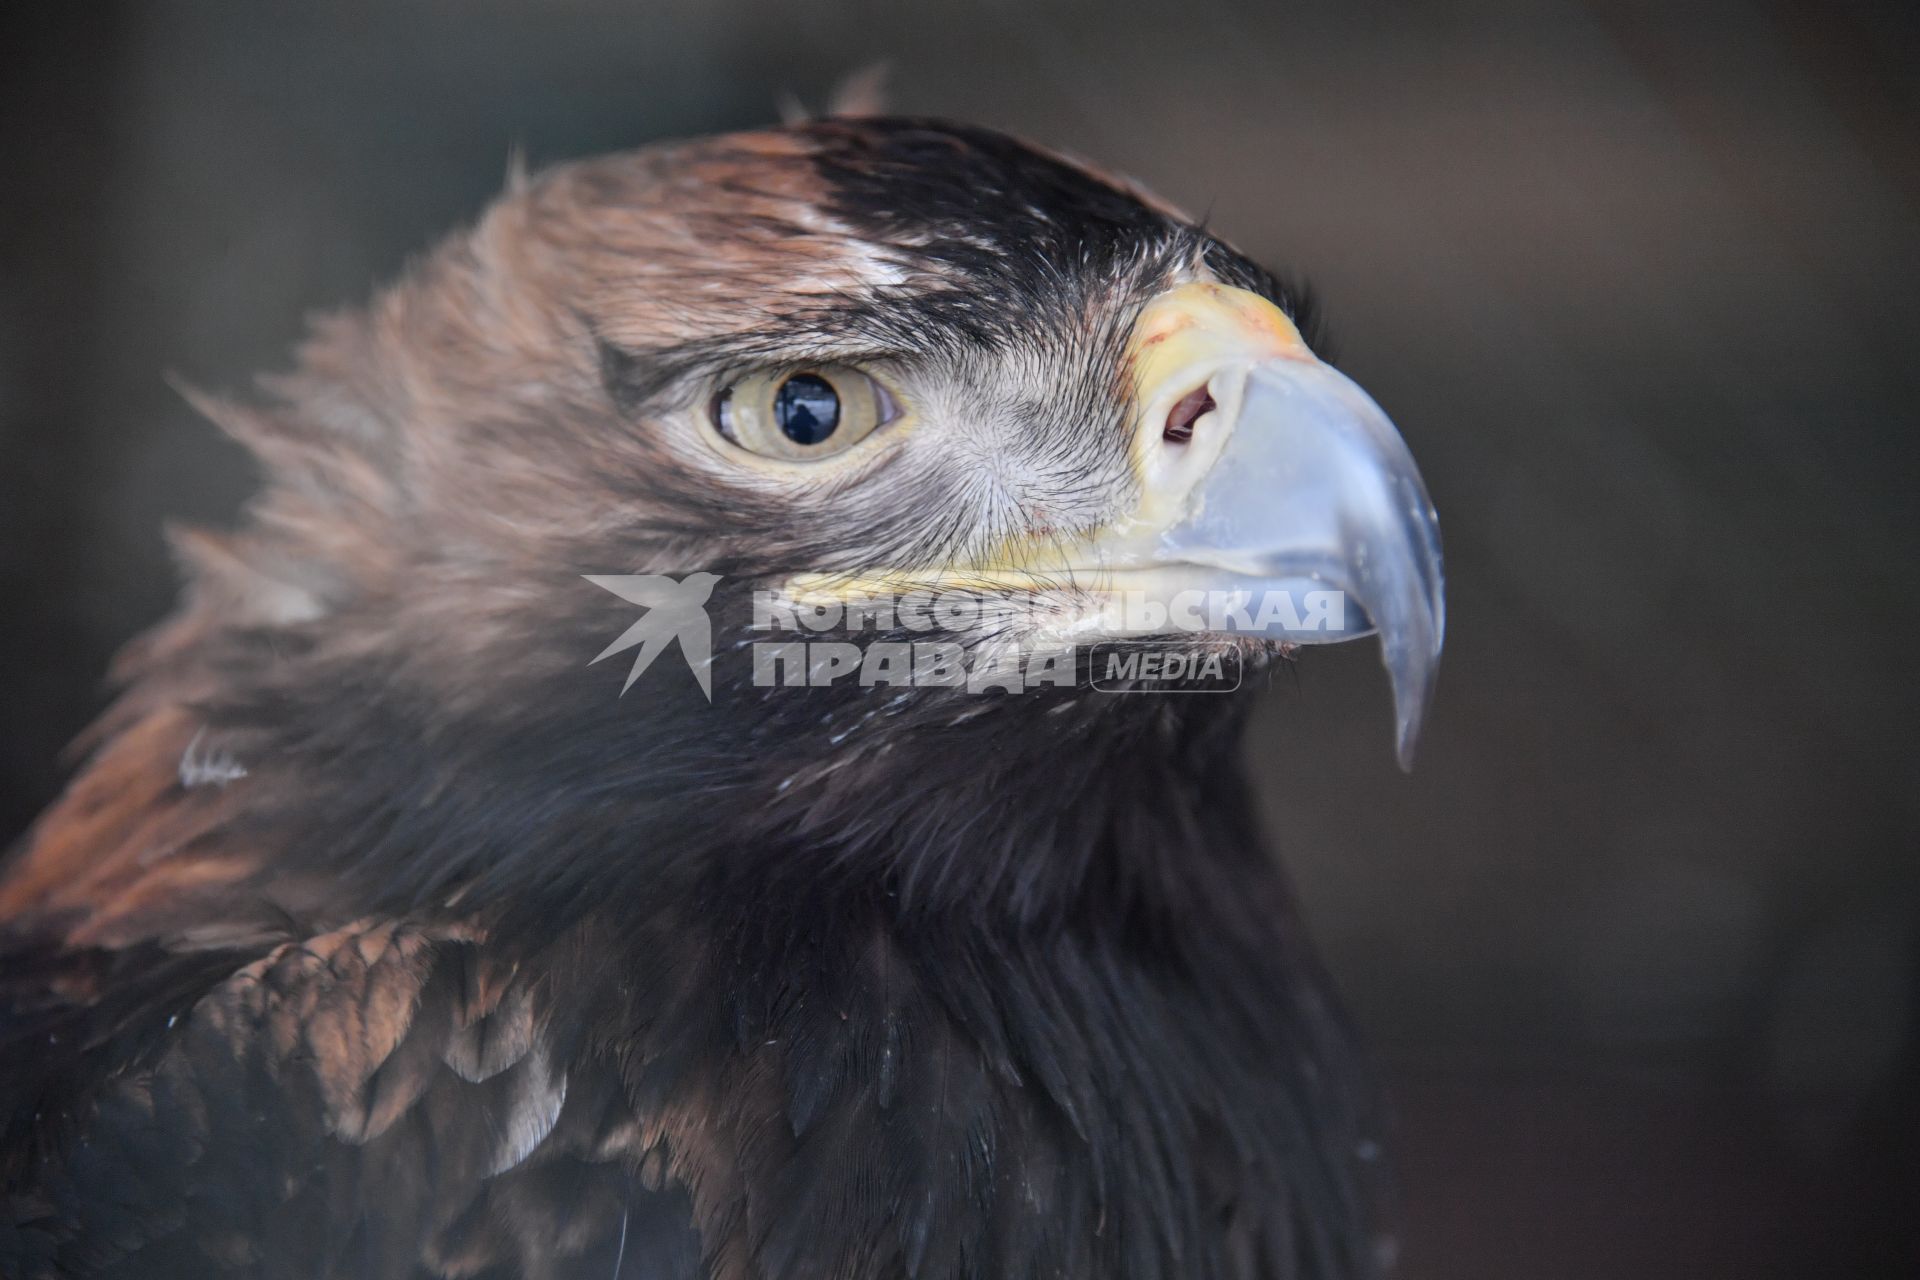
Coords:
1293,485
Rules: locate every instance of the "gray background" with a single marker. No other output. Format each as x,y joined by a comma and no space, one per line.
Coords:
1640,282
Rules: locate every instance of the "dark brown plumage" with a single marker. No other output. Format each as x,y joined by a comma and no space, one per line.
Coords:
379,937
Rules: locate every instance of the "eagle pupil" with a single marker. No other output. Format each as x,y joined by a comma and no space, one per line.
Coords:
807,408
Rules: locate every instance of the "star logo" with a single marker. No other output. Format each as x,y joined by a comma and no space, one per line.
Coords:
675,611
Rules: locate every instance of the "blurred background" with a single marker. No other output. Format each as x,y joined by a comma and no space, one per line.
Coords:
1638,943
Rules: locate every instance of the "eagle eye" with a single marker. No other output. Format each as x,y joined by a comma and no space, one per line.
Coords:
798,415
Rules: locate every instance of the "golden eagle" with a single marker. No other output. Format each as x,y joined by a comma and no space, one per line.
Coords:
380,936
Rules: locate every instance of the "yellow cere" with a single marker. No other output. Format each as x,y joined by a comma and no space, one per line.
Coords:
1185,339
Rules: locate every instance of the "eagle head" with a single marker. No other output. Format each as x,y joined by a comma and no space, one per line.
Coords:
750,383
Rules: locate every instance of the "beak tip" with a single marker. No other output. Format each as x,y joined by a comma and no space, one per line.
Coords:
1403,751
1412,676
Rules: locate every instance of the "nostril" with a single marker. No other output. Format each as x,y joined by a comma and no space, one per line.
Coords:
1183,415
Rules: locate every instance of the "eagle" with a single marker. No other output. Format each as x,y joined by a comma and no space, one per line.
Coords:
387,932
